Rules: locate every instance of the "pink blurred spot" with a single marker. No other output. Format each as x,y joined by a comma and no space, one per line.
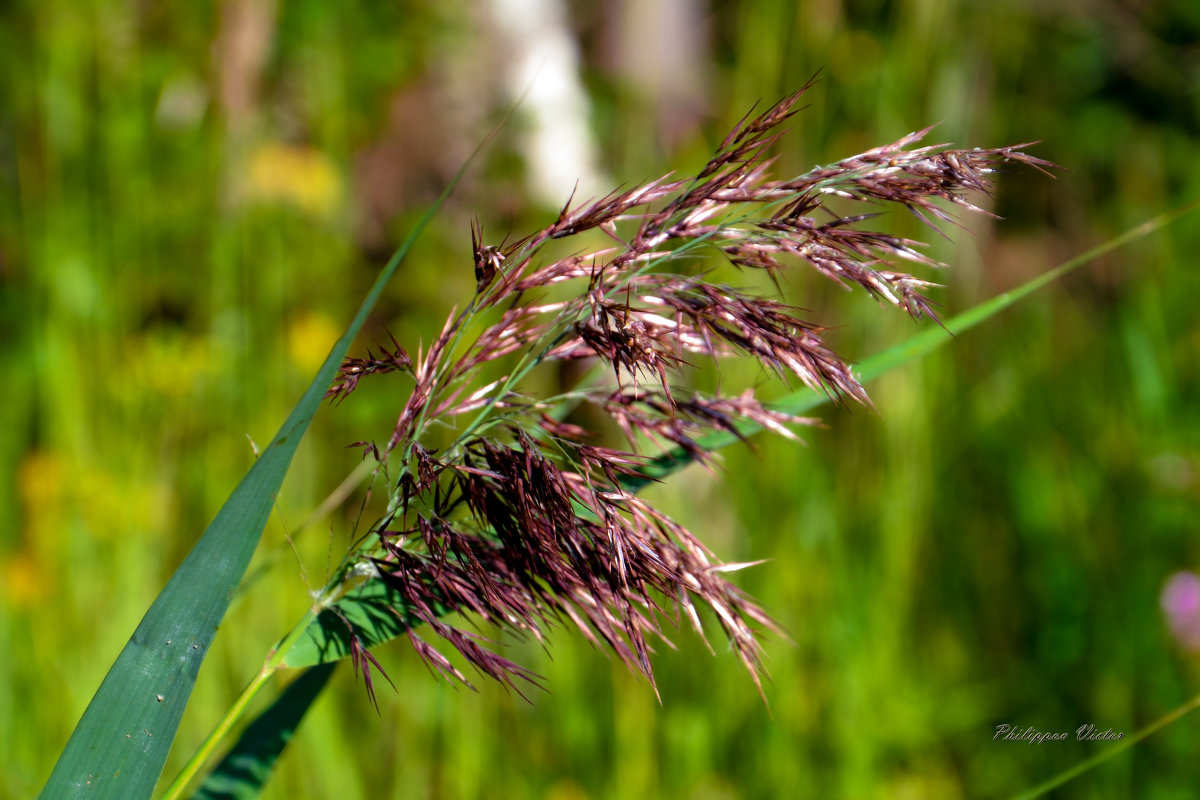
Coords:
1180,601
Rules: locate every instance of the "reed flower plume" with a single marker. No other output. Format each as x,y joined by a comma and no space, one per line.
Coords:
525,519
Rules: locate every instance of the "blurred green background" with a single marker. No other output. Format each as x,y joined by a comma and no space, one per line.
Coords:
195,196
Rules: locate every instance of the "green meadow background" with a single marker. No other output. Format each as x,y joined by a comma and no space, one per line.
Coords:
195,196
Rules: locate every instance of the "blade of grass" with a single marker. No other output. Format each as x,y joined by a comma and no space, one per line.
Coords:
120,745
372,611
369,608
326,639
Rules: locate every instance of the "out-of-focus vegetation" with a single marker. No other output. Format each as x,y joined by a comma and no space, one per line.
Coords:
194,197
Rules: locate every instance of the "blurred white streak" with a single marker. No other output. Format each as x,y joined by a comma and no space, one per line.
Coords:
542,64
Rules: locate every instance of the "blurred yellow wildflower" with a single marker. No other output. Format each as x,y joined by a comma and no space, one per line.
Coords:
27,579
309,339
41,478
302,176
27,576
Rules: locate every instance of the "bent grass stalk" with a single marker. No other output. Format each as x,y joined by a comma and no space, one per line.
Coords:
1110,752
798,402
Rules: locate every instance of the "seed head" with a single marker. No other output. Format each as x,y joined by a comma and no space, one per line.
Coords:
525,521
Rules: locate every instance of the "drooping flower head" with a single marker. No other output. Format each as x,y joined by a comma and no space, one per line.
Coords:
526,519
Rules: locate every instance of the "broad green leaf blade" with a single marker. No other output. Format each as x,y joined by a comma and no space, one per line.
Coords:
243,772
120,745
372,609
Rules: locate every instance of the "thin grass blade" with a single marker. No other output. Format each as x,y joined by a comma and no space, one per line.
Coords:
243,772
923,343
1110,752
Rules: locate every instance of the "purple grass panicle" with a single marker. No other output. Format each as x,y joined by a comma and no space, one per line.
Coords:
525,519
